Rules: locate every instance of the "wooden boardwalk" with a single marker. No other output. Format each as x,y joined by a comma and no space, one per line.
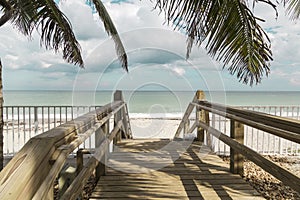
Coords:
161,169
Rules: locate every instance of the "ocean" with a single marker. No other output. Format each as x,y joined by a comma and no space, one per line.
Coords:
146,109
151,102
141,100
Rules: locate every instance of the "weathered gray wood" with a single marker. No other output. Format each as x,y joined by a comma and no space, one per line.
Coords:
19,178
100,136
79,159
130,136
118,116
200,116
184,119
282,174
126,123
76,187
31,172
236,159
63,152
292,125
271,120
194,126
186,127
186,116
204,178
295,137
208,136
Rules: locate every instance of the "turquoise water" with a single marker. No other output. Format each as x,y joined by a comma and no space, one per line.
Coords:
148,101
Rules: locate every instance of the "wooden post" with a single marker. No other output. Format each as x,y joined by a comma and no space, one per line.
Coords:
79,159
118,96
126,122
100,136
236,159
200,116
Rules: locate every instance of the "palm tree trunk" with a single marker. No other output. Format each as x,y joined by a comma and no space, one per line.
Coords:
1,120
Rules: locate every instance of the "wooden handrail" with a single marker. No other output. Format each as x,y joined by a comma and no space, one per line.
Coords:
63,152
289,135
32,171
77,185
270,120
282,174
279,126
188,112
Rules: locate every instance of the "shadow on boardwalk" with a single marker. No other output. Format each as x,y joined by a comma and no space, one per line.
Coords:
146,169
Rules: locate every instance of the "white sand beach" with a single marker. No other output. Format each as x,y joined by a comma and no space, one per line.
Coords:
16,135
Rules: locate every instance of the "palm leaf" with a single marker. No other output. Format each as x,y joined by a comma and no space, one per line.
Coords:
20,13
54,27
7,10
230,32
56,31
112,31
293,8
6,17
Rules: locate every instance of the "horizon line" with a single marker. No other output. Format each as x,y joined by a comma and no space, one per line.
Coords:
105,90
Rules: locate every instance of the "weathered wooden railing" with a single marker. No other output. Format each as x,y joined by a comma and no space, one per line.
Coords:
24,122
279,126
32,172
261,141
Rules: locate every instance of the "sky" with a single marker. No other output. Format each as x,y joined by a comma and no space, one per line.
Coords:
156,54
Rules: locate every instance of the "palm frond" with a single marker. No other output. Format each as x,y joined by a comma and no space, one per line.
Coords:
231,33
272,3
293,8
6,17
54,27
21,13
112,31
56,31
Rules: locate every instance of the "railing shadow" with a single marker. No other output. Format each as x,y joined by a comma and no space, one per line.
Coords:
189,176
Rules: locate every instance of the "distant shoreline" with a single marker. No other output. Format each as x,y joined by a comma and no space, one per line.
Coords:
206,91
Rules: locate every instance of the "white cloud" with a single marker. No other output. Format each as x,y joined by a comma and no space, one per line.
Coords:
284,35
149,44
131,16
178,71
82,19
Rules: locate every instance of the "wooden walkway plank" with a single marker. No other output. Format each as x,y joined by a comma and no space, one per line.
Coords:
144,169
